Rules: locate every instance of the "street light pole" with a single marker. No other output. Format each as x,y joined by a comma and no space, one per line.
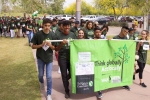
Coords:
0,6
78,10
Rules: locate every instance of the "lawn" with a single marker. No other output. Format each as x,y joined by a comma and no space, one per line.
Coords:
19,14
18,74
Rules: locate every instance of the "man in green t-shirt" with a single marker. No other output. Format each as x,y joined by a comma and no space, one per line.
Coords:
64,54
12,28
75,28
58,31
54,25
123,35
44,54
131,36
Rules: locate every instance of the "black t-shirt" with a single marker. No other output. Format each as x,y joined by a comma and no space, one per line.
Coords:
18,24
30,26
64,52
36,27
23,24
38,38
12,25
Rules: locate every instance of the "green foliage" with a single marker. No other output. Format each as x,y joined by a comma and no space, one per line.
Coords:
30,6
86,9
116,23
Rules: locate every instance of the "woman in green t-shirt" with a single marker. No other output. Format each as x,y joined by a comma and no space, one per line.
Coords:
141,50
89,30
81,34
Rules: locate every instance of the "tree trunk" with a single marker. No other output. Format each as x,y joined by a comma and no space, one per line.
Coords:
114,12
0,6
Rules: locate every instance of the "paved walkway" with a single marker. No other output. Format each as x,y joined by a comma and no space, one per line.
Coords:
116,30
137,92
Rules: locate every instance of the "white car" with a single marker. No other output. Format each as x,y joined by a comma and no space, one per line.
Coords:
89,17
67,17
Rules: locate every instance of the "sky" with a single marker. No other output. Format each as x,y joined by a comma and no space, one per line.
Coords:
68,2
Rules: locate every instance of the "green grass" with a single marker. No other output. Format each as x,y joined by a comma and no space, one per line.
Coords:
148,58
19,14
18,74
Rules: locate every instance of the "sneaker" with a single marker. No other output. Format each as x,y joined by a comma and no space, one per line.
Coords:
127,87
99,94
133,77
59,71
42,86
49,97
67,95
143,85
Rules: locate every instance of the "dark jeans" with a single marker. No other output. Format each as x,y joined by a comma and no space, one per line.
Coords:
64,67
141,69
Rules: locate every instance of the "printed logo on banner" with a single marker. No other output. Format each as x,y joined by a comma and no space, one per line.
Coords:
85,84
84,77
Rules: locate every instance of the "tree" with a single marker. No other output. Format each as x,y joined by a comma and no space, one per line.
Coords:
123,55
30,6
108,5
57,7
86,9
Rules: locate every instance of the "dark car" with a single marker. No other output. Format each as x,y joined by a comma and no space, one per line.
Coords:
129,19
102,20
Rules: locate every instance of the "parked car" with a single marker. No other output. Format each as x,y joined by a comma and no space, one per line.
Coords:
129,19
89,17
139,18
67,17
102,20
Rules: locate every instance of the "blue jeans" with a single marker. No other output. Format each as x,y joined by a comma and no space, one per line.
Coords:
41,66
30,36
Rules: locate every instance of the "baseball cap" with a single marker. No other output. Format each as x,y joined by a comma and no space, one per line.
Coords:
77,22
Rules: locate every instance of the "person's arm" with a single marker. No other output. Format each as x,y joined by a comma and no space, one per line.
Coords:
138,46
61,45
38,46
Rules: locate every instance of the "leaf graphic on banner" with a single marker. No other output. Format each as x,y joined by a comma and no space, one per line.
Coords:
122,53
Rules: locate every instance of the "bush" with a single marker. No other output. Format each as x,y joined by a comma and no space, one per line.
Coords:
116,23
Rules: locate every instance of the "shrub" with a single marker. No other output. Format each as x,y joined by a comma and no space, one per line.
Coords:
116,23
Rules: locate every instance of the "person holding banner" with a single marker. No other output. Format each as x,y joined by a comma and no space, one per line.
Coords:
58,30
97,35
123,35
63,49
44,55
141,50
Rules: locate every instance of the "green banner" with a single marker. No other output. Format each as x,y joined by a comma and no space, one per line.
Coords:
101,64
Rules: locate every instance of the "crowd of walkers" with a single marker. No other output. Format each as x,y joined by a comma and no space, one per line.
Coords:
39,30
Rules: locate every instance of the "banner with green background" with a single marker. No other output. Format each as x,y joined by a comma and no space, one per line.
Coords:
101,64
